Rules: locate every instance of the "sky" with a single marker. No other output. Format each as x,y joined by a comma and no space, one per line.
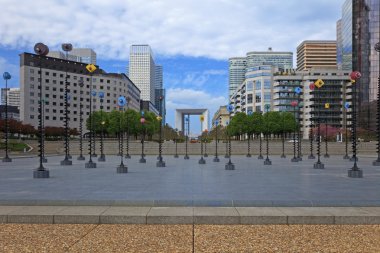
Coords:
192,39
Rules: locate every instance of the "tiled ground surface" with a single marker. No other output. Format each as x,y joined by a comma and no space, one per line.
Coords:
185,181
186,238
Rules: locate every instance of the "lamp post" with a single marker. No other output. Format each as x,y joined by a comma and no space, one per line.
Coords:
142,121
205,154
327,106
160,162
311,134
283,135
267,161
67,47
127,155
226,155
176,141
229,165
249,138
80,157
44,102
201,160
121,102
102,157
6,77
354,172
318,165
294,104
90,164
377,161
260,147
298,91
187,131
216,158
93,94
41,172
346,106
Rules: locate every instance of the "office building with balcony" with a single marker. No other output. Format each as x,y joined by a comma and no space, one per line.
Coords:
316,54
53,83
222,116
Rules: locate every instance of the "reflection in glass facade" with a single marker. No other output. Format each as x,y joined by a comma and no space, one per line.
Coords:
236,75
339,45
346,35
366,33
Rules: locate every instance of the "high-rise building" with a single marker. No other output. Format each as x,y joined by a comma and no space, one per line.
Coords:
160,92
13,96
346,35
85,55
316,54
53,78
236,73
142,71
365,34
283,60
339,45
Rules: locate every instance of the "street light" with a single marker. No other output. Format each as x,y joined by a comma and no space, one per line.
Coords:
294,104
6,77
176,141
80,157
298,91
90,164
160,162
102,157
121,102
311,134
201,161
41,50
377,161
127,155
205,154
229,165
354,172
283,135
346,106
142,121
216,158
319,83
250,113
267,161
187,131
327,106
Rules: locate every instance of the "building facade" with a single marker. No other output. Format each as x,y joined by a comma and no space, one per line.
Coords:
316,54
222,116
12,95
236,73
85,55
53,83
142,71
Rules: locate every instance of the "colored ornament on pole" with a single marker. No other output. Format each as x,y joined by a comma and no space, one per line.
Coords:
6,76
355,75
294,103
312,86
91,68
347,105
121,101
298,90
230,108
327,105
101,94
319,83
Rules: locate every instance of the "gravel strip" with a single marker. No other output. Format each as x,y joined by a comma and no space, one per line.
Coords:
287,238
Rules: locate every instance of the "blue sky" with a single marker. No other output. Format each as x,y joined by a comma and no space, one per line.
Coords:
192,39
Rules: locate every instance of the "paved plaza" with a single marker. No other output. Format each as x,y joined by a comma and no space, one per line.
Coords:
186,183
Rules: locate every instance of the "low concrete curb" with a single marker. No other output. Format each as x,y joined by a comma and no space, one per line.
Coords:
188,215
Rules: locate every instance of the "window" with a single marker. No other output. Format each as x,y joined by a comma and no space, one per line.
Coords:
258,108
258,85
267,84
249,86
249,98
32,86
31,71
267,97
258,98
31,78
31,94
31,116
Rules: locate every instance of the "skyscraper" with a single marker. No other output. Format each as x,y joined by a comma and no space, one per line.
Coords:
236,71
339,45
283,60
160,91
142,71
316,54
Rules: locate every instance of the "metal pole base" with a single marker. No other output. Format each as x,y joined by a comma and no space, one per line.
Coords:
267,162
248,155
229,166
90,165
346,157
7,160
66,162
352,159
81,158
44,160
176,156
311,157
376,162
40,173
69,156
283,156
319,165
186,157
202,161
205,155
216,159
122,169
142,160
160,163
326,156
355,173
94,155
102,158
299,159
294,160
127,156
260,157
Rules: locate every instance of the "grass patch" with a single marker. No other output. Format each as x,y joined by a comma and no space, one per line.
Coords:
14,146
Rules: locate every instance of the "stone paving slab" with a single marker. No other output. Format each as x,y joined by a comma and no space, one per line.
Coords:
189,215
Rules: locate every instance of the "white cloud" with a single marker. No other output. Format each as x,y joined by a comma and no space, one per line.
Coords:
212,28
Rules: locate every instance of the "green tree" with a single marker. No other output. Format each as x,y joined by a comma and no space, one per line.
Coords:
239,124
256,123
